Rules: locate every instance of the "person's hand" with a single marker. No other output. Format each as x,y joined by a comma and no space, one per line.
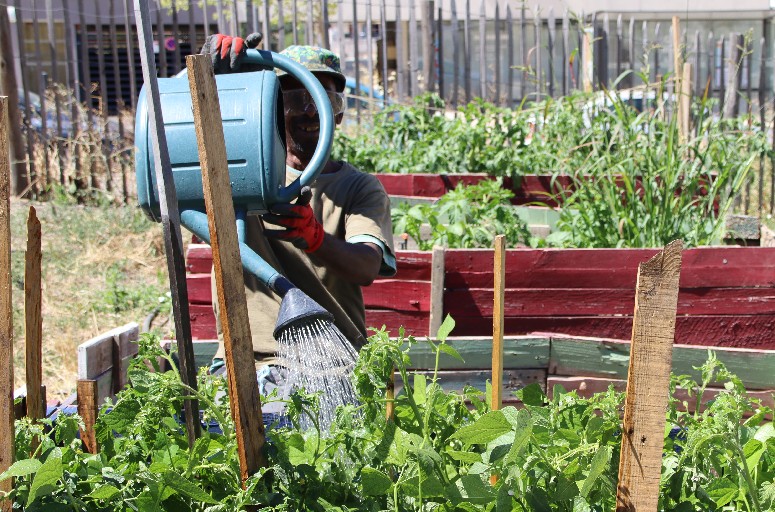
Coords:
226,52
302,229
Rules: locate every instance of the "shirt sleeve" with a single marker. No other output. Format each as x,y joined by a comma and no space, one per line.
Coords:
388,267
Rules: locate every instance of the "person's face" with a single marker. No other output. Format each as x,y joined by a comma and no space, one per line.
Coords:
302,125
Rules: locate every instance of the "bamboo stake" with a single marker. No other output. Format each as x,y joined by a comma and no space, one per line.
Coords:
587,66
88,410
499,290
436,315
684,102
648,380
229,280
6,311
33,325
390,395
677,58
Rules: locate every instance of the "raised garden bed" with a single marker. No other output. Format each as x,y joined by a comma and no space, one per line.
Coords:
727,295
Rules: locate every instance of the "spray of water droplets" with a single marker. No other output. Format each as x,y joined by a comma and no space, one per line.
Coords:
319,359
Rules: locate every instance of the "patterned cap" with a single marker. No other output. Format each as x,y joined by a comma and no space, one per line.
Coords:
317,60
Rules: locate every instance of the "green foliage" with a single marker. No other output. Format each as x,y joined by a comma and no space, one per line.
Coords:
467,217
437,452
639,185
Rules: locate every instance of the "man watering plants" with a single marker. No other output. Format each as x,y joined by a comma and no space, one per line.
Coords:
329,242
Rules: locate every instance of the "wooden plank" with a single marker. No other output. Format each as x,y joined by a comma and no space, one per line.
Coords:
120,94
97,355
455,27
499,289
586,59
356,54
401,295
129,25
401,75
648,381
7,430
523,51
518,352
170,217
566,65
552,30
439,31
732,97
458,380
199,258
482,52
743,331
467,45
230,285
609,358
43,175
202,320
30,138
33,318
510,56
605,301
497,54
704,267
587,386
436,306
108,384
428,47
414,61
537,49
415,324
88,407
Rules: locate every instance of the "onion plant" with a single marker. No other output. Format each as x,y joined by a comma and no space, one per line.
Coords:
641,185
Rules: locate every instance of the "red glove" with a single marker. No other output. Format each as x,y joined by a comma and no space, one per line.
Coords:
227,52
302,228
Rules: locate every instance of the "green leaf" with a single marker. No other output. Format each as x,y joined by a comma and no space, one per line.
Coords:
446,327
765,432
466,457
523,425
597,467
187,488
503,501
753,451
447,349
419,389
105,492
472,489
146,503
375,482
532,394
21,468
46,478
722,491
483,430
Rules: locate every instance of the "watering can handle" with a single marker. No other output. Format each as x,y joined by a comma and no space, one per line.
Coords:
325,115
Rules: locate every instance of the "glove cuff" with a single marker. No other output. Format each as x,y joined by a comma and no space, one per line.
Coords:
317,239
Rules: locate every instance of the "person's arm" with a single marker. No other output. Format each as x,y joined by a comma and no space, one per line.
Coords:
357,263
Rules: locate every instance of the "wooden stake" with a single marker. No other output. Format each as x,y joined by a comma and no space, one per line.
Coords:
33,325
6,311
227,265
170,217
390,395
437,291
587,62
88,409
677,58
684,102
648,381
499,294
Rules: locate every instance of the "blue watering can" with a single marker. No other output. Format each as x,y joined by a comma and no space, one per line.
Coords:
252,113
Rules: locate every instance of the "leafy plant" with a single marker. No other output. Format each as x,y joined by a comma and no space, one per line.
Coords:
466,217
436,452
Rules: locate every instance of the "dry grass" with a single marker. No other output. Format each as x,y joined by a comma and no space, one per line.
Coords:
102,267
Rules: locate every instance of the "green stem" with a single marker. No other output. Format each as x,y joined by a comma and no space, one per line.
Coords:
747,475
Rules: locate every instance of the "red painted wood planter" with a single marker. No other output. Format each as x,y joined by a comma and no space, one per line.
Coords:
727,294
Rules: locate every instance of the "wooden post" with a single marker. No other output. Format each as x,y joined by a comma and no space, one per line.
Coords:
170,218
88,409
677,58
684,92
8,87
390,395
428,51
648,380
33,325
587,66
437,290
229,280
499,290
6,310
733,70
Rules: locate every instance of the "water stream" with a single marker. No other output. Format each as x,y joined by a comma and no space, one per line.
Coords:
319,359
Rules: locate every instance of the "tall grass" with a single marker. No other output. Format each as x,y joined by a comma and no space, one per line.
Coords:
640,185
